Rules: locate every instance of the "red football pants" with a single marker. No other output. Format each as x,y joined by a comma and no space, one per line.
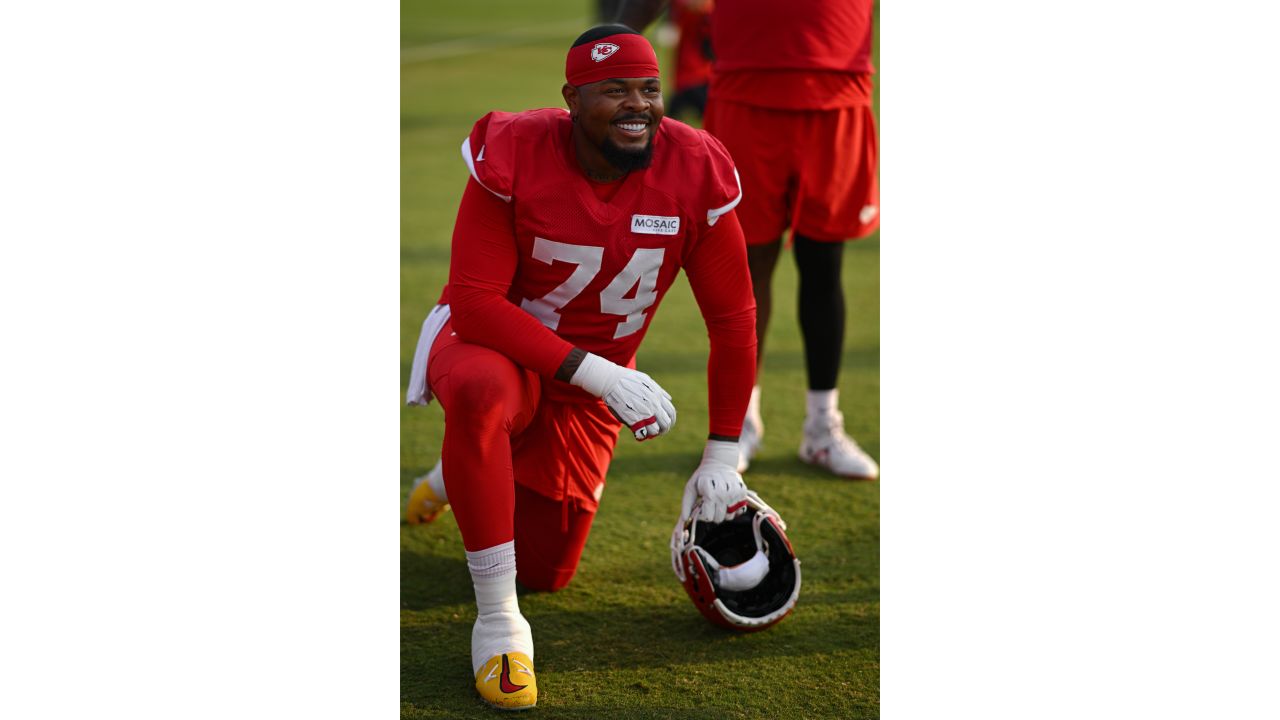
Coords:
492,405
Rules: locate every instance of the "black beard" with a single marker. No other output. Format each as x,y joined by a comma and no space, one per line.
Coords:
627,160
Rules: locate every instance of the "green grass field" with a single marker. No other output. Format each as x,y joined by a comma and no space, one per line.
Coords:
623,640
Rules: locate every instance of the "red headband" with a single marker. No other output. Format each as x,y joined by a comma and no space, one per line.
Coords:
616,56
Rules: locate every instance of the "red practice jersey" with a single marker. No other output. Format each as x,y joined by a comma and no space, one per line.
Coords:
797,34
543,263
801,54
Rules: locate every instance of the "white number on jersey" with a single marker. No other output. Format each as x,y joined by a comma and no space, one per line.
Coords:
643,269
587,258
640,273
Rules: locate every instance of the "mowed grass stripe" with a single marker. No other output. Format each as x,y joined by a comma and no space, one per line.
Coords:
492,41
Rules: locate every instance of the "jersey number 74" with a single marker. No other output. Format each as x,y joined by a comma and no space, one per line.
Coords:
642,268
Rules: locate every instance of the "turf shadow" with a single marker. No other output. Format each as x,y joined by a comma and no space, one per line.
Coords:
624,638
665,644
432,580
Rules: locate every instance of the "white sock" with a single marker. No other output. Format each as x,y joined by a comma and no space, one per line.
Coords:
499,625
435,479
753,407
821,403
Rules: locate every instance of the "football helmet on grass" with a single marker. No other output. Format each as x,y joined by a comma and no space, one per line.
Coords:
742,573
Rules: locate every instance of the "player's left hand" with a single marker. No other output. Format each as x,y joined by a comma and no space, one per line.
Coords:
717,483
715,488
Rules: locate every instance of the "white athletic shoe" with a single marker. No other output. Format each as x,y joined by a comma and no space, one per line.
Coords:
749,441
827,445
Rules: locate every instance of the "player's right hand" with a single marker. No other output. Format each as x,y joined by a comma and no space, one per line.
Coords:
634,397
641,404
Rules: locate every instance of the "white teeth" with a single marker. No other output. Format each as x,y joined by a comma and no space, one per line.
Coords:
632,127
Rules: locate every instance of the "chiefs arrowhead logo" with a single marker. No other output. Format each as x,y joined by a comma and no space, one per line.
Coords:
504,680
602,51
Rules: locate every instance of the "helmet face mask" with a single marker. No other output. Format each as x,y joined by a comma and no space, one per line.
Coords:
741,574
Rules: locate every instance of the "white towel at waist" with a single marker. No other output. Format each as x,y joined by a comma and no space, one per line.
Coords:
419,393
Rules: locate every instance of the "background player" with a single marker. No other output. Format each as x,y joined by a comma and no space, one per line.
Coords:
571,229
692,20
790,98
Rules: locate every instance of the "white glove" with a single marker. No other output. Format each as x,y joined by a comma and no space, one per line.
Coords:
639,402
717,483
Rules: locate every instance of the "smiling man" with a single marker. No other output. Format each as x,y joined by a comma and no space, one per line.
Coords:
572,228
623,136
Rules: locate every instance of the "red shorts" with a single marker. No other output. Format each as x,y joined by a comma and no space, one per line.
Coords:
812,170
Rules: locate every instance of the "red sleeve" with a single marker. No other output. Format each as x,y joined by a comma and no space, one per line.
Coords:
721,283
483,263
723,188
489,152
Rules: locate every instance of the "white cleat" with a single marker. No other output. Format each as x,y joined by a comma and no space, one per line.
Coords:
826,445
749,441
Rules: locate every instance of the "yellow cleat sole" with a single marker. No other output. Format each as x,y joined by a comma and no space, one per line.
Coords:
507,682
424,506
